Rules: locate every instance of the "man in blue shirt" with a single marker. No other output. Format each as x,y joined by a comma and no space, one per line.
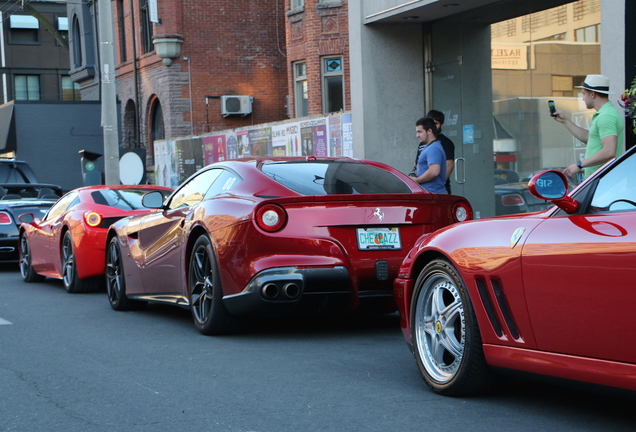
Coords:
431,164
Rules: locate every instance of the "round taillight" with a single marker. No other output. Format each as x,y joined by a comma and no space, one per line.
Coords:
271,217
93,219
462,211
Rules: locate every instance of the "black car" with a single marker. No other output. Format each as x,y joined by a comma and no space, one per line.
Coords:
20,193
512,196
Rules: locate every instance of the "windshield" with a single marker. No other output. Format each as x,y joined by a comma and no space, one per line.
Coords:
334,178
124,199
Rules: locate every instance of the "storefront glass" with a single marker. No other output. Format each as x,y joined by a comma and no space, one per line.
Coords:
537,58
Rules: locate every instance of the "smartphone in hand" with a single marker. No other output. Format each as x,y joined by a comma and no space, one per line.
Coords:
552,108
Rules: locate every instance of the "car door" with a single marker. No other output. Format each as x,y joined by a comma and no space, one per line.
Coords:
163,235
579,271
45,250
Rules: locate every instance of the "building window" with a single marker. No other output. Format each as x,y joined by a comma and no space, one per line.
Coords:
297,4
77,44
301,92
332,84
27,87
158,131
146,27
587,34
123,55
25,29
62,27
70,89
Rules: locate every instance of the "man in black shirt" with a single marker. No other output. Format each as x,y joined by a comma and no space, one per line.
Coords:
447,145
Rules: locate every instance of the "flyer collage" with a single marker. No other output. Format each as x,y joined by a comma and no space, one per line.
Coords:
328,136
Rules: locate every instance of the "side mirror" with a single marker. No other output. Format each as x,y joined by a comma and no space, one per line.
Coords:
26,218
152,200
552,186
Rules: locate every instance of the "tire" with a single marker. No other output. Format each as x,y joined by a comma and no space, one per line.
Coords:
26,269
206,294
445,333
72,283
116,280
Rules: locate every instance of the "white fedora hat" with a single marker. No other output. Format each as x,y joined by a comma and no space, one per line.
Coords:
596,83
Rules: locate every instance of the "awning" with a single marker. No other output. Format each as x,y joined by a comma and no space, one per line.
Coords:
7,128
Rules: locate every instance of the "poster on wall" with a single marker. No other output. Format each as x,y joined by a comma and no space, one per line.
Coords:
347,135
313,136
214,148
243,143
261,141
280,142
293,139
166,170
335,136
189,157
232,146
320,139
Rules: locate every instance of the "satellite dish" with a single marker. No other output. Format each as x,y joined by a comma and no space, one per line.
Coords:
131,169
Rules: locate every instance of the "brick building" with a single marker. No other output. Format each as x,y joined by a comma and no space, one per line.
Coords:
176,62
317,56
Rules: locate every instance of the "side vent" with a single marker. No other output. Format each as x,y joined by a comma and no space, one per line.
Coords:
485,299
505,310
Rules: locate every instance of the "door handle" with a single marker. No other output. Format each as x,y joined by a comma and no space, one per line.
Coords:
460,167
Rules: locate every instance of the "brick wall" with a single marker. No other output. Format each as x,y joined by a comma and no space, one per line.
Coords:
234,47
316,30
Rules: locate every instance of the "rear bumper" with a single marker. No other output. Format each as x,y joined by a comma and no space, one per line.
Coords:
9,249
292,289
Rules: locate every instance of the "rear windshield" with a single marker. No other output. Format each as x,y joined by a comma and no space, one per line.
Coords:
334,178
124,199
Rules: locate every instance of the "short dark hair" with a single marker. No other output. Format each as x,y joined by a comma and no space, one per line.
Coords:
436,115
427,123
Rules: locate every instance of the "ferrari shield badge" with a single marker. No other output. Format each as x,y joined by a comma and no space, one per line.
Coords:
516,236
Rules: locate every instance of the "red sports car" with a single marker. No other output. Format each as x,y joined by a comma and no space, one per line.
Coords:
548,293
274,235
69,242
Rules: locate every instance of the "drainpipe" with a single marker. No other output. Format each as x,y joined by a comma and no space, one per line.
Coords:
135,75
3,59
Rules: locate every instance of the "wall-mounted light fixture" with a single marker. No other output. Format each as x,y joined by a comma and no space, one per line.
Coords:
168,47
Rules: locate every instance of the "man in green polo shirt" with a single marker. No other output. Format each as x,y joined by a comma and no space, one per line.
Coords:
604,140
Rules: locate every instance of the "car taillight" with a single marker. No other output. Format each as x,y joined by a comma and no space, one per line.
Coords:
271,217
5,219
512,200
92,219
462,211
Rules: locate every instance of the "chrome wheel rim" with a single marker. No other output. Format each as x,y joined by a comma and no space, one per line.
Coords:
202,284
68,260
113,274
440,327
25,256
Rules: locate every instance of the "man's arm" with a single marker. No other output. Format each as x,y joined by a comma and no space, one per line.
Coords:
450,166
428,175
578,132
607,153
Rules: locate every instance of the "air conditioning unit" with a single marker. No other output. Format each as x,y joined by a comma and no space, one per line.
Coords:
241,105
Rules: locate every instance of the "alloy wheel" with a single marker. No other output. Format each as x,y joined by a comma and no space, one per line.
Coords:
440,327
202,285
